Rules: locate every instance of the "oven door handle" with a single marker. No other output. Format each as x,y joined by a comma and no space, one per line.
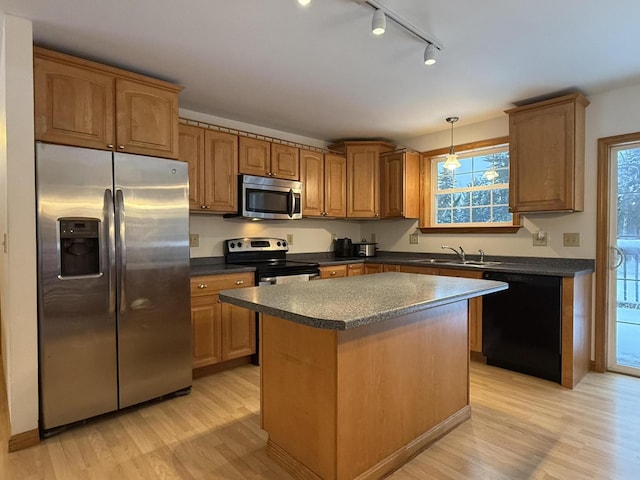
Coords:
292,202
273,279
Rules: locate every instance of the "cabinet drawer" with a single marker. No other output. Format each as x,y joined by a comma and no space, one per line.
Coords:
333,271
210,284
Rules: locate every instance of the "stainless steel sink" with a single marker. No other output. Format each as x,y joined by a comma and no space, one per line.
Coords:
456,263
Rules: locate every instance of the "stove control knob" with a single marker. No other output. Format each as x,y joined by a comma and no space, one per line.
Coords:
239,244
232,245
279,244
284,244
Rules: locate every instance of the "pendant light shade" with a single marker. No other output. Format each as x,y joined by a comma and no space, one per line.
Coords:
379,22
491,173
452,159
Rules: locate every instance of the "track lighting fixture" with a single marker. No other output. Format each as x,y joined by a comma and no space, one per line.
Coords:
304,3
379,22
430,54
452,159
378,26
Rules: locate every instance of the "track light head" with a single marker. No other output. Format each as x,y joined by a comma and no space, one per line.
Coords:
379,22
430,54
304,3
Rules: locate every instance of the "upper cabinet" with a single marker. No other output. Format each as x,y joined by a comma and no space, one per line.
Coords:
546,154
213,169
363,176
324,184
400,184
83,103
266,159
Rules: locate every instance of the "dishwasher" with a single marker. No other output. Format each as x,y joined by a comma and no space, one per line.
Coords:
521,326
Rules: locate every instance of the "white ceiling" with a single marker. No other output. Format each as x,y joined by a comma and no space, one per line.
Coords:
318,71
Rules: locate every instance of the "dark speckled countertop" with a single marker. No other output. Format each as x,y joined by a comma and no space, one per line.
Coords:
345,303
559,267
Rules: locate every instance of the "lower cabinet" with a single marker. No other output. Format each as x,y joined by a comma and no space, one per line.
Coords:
220,331
370,268
344,270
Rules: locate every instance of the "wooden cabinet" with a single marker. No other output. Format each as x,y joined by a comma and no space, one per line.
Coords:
400,184
354,269
266,159
213,169
83,103
546,154
333,271
324,184
220,331
363,176
370,268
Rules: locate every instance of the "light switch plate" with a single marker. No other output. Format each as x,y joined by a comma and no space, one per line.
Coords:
290,238
413,238
194,240
571,239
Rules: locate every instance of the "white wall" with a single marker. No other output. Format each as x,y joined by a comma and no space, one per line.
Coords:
17,221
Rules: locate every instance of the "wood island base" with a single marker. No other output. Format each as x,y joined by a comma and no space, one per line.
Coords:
359,403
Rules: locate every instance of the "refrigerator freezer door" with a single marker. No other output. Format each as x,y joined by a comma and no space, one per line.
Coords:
154,321
76,320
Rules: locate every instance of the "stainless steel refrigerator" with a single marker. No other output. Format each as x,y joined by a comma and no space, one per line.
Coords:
113,271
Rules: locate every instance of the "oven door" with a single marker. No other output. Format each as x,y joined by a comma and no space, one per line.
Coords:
303,277
270,198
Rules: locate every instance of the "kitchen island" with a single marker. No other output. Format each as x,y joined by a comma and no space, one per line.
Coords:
360,374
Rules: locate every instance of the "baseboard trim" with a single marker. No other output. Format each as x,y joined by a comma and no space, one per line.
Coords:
24,440
220,367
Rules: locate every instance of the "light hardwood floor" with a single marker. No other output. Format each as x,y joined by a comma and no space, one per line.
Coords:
521,428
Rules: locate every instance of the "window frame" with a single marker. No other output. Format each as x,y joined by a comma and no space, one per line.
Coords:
426,200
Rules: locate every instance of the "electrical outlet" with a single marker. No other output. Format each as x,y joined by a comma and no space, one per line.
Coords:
413,238
539,239
194,240
571,239
290,238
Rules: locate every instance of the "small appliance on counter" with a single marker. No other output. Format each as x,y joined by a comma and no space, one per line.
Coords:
364,249
343,247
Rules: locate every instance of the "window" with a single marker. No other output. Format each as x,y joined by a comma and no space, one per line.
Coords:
472,197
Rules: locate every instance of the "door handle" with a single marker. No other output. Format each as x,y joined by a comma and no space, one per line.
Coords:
621,257
292,202
122,250
111,247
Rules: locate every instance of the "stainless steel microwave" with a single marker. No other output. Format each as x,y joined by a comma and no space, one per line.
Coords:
269,198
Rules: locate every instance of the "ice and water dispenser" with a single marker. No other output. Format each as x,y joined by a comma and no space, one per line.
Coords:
79,247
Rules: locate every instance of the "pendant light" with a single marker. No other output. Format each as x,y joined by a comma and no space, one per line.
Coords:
452,159
491,173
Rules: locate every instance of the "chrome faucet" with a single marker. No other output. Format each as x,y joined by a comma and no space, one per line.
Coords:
481,251
460,253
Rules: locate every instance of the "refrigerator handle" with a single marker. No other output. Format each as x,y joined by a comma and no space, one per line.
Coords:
110,242
122,249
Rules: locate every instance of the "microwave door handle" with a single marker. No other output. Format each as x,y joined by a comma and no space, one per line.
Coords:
292,203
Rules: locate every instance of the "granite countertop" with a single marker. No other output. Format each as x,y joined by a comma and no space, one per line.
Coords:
345,303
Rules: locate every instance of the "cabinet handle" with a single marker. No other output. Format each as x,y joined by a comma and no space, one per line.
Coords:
203,206
202,285
121,147
110,145
219,301
377,214
240,282
333,273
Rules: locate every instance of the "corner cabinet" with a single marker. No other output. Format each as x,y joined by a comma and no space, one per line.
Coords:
324,184
546,152
363,176
87,104
400,185
213,169
220,331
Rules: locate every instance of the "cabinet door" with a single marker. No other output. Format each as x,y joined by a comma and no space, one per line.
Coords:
146,119
475,308
285,162
238,332
391,185
254,157
206,330
312,176
333,271
73,105
191,147
419,269
354,269
542,151
363,177
221,171
391,268
335,186
370,268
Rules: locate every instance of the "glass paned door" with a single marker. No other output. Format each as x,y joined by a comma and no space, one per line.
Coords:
624,283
